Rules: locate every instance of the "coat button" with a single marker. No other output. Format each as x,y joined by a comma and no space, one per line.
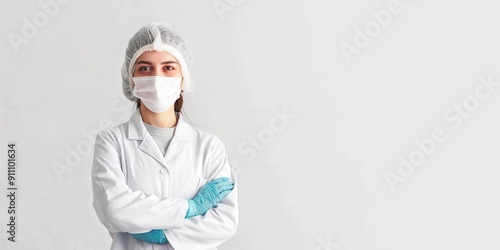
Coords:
163,171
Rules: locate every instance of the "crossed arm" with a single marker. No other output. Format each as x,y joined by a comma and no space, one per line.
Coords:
208,196
115,202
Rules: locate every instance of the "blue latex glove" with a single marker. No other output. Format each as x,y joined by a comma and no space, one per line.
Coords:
156,236
208,196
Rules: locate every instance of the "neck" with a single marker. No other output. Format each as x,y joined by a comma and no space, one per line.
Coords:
167,119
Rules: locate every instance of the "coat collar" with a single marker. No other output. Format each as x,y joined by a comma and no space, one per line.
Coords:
137,131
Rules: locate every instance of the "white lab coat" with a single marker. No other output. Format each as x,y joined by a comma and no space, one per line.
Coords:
137,189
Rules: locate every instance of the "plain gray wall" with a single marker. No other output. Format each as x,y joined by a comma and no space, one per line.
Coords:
317,103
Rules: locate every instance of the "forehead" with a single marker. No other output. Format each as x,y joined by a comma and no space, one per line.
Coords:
156,56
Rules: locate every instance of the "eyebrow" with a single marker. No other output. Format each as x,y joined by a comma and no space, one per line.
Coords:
146,62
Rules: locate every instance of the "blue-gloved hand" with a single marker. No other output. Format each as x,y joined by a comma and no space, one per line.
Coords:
208,196
156,236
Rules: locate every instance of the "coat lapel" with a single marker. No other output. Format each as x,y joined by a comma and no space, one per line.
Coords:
137,131
150,147
183,134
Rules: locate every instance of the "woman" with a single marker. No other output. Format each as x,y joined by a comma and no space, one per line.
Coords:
158,183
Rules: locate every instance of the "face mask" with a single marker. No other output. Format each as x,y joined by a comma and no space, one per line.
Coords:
158,93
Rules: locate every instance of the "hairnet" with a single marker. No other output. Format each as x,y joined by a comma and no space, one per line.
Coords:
160,37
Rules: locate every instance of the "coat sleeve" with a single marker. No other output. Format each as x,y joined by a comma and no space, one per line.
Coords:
118,207
219,224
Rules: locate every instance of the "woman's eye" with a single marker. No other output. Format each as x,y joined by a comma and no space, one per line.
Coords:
143,68
169,68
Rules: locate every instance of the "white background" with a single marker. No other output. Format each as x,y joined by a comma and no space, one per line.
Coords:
319,181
